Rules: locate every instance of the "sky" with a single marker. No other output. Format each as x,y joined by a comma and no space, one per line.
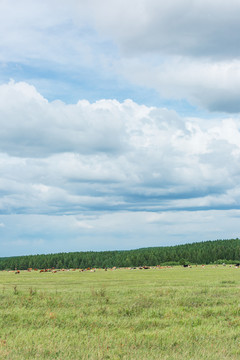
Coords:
119,124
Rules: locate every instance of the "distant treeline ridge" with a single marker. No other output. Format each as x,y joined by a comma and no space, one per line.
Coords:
196,253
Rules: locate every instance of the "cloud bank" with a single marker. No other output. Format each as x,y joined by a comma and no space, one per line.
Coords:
112,155
104,163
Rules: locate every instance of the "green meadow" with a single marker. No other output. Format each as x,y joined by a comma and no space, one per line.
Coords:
171,313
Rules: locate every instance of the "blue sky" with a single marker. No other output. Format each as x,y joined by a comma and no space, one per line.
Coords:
119,124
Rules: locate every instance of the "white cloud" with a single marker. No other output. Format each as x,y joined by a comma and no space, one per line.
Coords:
133,173
33,127
111,156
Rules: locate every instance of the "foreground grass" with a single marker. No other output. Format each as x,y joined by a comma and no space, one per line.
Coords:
168,314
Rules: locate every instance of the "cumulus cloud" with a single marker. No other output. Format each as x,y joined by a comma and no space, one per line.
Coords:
59,158
98,172
31,126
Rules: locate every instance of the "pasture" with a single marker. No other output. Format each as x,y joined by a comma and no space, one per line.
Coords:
169,314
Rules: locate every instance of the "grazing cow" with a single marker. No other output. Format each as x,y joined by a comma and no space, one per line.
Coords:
237,265
17,272
185,265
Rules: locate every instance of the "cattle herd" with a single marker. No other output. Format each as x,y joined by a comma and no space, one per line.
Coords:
54,271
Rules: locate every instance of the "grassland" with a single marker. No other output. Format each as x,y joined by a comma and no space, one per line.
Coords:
167,314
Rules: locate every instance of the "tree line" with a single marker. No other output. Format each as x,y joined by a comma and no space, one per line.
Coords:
206,252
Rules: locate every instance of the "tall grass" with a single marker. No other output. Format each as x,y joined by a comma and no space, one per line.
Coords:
167,314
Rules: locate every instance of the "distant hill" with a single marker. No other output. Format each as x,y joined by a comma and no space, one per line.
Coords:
195,253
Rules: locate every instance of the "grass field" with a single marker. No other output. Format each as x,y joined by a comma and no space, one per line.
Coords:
172,313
